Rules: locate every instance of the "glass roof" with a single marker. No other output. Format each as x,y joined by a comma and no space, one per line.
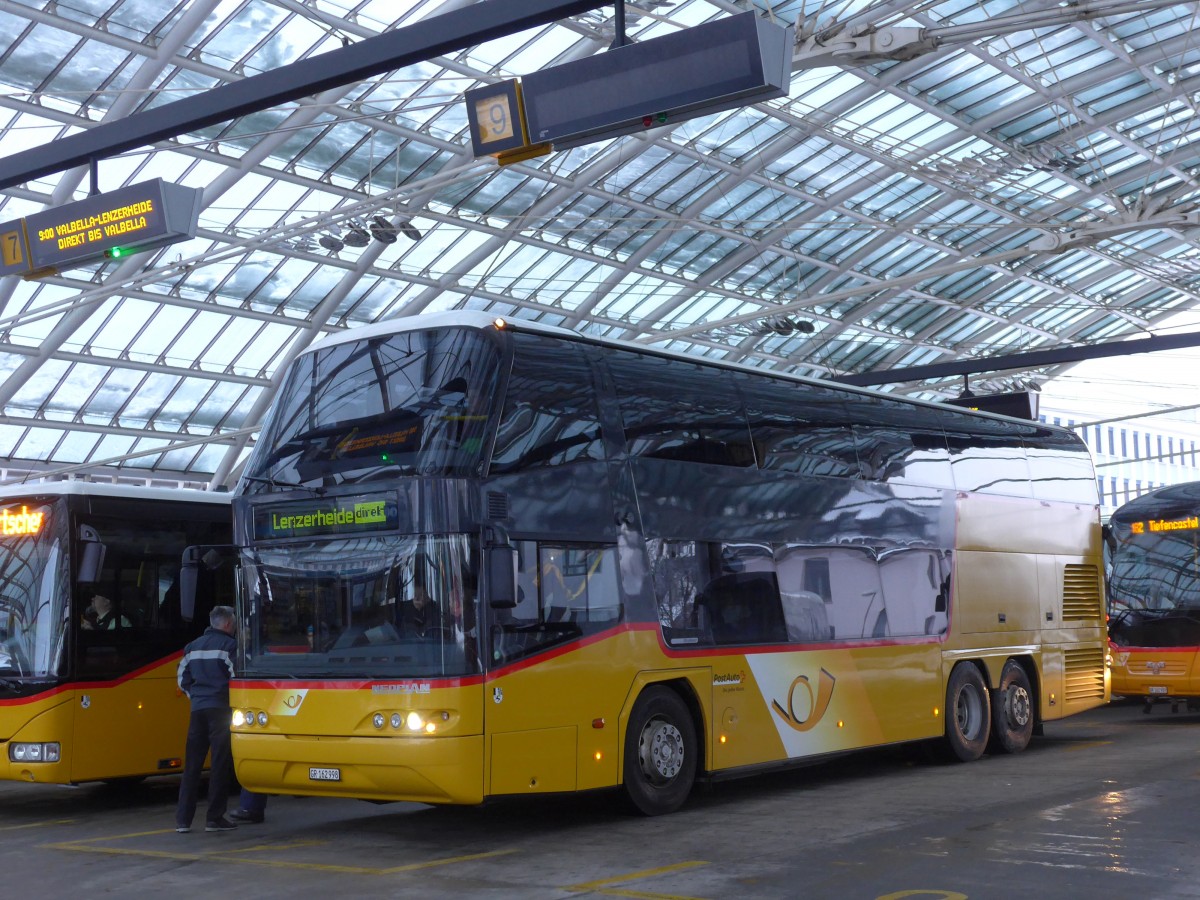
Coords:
1023,176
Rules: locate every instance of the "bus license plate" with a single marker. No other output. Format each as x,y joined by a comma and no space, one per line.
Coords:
1157,689
318,774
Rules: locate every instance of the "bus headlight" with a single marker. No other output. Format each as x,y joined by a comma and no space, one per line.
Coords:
239,718
27,752
414,721
262,719
377,720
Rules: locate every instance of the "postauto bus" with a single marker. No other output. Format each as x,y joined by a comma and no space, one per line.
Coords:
1154,596
484,558
87,699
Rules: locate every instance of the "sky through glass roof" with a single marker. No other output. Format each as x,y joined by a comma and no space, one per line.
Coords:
1024,177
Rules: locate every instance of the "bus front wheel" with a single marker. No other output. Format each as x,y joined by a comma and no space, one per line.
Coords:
1012,711
660,753
968,713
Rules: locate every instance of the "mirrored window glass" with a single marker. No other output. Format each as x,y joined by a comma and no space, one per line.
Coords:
550,415
673,409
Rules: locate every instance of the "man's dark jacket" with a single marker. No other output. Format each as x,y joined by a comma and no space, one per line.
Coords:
206,668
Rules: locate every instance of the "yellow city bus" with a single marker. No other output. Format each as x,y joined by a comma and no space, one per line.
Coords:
1154,596
484,558
87,695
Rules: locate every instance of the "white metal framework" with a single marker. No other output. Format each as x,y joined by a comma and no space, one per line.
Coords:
945,180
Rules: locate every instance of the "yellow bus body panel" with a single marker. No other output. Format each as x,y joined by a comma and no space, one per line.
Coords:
1156,672
132,727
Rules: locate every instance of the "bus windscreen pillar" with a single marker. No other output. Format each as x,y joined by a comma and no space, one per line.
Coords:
735,61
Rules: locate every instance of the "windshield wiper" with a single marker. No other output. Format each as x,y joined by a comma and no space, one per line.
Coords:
275,482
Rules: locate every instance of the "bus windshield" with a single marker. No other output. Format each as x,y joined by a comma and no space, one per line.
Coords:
34,589
404,404
1154,590
1156,572
362,608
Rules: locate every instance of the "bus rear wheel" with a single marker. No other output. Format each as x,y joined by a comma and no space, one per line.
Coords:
660,753
1012,710
968,713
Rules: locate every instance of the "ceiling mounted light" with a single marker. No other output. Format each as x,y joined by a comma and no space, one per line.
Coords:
331,242
778,325
783,325
357,236
409,230
383,230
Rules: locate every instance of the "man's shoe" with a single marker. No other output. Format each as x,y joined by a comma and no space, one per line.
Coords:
241,815
221,824
183,829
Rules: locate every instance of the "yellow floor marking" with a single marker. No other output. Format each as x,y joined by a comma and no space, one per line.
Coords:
283,845
601,886
230,855
38,824
445,862
642,895
1087,745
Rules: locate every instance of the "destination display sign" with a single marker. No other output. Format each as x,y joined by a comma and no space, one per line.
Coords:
20,522
1155,526
327,516
112,225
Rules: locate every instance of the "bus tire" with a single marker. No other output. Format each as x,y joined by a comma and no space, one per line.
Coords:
968,713
660,753
1012,709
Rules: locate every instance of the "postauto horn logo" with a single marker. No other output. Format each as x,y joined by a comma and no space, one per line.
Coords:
817,704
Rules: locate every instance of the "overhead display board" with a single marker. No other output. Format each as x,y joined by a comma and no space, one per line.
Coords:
115,224
698,71
1018,404
729,62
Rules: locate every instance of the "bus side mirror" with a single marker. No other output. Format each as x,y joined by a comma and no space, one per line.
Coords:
91,557
500,559
194,557
188,575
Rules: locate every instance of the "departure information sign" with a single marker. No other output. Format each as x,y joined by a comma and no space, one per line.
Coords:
112,225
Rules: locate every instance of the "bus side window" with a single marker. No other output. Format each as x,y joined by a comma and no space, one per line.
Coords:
564,592
550,414
744,608
677,582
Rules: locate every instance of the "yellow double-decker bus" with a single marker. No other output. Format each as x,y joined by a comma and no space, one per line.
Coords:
1154,596
484,558
91,628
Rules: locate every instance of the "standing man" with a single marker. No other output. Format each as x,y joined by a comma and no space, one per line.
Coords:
204,674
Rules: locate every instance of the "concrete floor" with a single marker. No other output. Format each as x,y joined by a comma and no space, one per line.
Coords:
1103,806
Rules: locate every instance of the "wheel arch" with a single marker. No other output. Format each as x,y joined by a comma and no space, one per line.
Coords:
685,685
993,667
